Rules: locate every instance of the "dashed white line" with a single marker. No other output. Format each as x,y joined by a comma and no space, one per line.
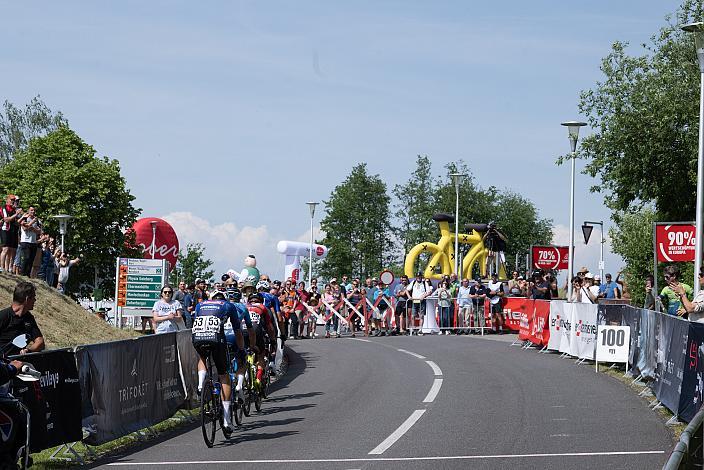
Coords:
390,459
411,353
434,390
436,369
396,435
360,339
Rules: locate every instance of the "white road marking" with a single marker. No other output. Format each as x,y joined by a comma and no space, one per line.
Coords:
559,435
392,459
436,369
434,390
559,419
360,339
396,435
557,406
411,353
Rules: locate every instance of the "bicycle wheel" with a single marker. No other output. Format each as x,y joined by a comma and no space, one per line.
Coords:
238,408
208,418
247,405
266,381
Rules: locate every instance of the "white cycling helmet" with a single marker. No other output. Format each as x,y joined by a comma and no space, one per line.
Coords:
263,285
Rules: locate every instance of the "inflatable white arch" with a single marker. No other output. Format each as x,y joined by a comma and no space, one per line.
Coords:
294,251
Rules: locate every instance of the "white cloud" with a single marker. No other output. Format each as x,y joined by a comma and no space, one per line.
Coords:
227,245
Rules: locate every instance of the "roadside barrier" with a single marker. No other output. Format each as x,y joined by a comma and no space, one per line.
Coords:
688,453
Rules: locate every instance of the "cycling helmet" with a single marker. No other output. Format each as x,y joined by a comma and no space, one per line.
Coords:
217,294
258,297
263,286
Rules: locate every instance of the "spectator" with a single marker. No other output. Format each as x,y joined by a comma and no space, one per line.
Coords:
577,290
552,283
300,310
402,305
649,302
37,263
595,289
695,308
9,232
623,289
454,285
587,283
539,288
18,320
346,283
478,295
188,305
610,289
496,294
514,285
381,293
355,296
180,294
329,298
369,292
669,298
419,291
336,298
314,303
199,295
445,305
46,268
464,306
30,228
65,264
167,312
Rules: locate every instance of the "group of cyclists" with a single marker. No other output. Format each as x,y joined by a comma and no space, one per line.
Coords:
232,322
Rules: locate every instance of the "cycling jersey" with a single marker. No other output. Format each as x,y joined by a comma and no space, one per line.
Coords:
244,320
207,342
271,301
261,316
220,309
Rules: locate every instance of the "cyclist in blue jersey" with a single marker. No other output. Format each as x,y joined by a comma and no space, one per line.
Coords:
206,341
234,296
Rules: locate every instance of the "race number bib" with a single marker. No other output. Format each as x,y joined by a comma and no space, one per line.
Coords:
206,328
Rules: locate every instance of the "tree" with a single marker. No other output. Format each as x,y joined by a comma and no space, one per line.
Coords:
356,226
644,119
191,264
19,126
60,174
415,206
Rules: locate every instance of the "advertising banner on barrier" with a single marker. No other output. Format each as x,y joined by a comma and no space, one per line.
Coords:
56,409
583,334
691,393
556,325
672,333
188,362
535,316
513,307
133,384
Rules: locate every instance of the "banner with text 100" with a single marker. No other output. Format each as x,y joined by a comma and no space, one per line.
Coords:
550,257
675,242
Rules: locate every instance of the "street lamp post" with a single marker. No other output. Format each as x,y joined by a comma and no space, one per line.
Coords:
601,248
153,247
698,30
311,206
573,128
63,225
456,180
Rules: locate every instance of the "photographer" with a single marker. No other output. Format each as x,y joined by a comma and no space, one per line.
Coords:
30,228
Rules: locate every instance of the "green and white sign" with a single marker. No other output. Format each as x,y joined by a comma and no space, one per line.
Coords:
139,283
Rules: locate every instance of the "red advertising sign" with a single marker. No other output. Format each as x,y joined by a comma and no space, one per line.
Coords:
550,257
675,242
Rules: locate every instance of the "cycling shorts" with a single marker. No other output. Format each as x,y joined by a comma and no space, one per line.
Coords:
259,332
218,351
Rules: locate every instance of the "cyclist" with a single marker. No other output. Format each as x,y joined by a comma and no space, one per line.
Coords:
206,342
263,323
271,301
235,297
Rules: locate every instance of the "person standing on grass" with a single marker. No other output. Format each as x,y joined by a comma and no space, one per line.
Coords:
9,235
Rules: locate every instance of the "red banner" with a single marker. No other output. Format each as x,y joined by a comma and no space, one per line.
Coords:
675,242
535,315
550,257
512,307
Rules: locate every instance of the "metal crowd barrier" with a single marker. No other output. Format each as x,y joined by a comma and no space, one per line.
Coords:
688,451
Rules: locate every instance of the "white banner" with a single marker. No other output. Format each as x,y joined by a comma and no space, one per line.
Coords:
573,328
583,337
557,326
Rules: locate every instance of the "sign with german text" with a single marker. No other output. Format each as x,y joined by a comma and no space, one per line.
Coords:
675,242
139,282
550,257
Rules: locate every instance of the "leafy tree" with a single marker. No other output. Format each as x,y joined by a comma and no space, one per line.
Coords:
356,226
192,264
60,174
415,206
644,119
19,126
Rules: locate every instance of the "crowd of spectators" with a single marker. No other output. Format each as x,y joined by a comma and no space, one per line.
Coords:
28,250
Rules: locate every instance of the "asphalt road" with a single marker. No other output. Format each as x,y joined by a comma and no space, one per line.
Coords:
481,403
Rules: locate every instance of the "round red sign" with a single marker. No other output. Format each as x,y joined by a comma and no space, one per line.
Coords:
162,243
319,251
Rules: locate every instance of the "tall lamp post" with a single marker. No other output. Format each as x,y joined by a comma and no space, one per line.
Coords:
153,247
573,128
586,233
698,30
63,224
311,206
456,180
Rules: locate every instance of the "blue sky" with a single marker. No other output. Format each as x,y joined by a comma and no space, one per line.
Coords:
228,116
